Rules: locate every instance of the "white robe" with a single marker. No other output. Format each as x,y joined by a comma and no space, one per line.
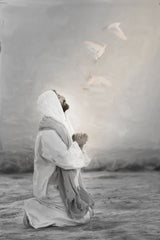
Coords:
47,208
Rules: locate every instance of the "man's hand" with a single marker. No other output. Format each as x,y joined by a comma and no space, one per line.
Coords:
80,138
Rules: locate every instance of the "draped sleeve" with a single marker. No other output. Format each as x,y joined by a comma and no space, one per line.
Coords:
55,150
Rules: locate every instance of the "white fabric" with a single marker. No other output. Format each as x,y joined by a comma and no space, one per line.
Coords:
50,151
69,125
47,208
49,105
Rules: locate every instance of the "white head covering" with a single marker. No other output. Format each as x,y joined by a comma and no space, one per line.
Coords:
50,106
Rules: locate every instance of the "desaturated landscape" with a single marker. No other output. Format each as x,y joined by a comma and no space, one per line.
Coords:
127,207
43,46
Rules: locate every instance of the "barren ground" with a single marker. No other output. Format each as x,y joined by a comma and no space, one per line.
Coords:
127,208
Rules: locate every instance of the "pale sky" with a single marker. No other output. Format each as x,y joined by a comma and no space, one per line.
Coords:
43,47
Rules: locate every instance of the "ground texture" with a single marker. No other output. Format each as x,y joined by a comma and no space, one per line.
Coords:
127,208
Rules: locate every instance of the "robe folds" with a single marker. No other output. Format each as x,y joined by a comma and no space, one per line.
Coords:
54,148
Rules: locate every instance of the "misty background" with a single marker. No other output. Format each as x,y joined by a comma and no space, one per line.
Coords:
42,47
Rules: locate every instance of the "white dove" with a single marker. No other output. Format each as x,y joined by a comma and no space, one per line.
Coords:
96,80
96,49
115,28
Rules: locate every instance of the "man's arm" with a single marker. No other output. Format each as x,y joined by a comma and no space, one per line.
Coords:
54,150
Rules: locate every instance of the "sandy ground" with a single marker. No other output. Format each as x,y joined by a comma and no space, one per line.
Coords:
127,208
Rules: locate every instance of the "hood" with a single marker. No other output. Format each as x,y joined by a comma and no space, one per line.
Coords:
49,106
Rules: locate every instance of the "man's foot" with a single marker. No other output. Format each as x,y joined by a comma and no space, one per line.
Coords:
26,221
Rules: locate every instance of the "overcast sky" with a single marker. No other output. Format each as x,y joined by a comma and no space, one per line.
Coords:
43,47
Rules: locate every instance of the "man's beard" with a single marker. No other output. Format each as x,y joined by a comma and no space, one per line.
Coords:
65,107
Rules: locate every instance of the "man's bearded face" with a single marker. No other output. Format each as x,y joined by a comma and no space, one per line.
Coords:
63,102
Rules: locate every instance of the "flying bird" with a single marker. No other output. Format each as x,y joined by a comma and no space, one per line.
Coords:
96,49
95,80
98,80
115,28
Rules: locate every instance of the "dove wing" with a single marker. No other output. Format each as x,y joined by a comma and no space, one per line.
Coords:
105,82
119,33
93,47
94,80
115,28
